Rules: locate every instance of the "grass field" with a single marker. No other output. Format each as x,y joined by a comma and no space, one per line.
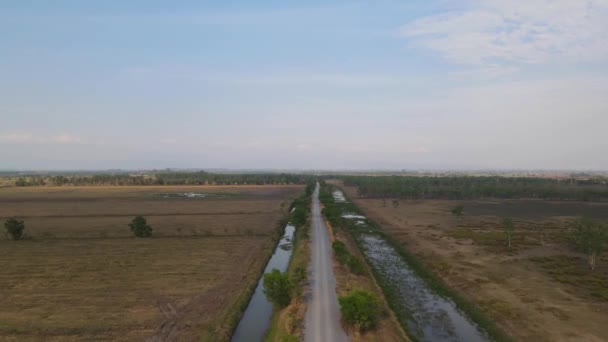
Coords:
80,275
536,291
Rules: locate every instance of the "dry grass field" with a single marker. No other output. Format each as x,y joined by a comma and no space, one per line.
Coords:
80,275
537,291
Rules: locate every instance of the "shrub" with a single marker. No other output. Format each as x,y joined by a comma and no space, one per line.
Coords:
361,309
339,248
345,258
277,288
140,227
355,265
14,228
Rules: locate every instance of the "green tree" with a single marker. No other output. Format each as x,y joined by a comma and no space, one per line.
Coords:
509,228
14,228
458,212
140,227
299,216
277,288
361,309
591,238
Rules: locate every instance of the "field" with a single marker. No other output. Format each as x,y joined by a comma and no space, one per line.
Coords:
541,290
80,275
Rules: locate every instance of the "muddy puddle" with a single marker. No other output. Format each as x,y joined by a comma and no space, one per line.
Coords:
353,216
182,195
256,319
432,317
339,196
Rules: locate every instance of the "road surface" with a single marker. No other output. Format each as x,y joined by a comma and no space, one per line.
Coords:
323,313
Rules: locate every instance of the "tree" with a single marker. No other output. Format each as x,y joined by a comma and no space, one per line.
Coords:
277,288
14,228
361,309
458,212
140,228
591,238
509,227
299,215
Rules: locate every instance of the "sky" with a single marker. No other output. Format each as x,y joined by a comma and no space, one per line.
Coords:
471,84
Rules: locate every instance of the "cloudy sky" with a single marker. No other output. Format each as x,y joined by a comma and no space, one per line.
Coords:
317,84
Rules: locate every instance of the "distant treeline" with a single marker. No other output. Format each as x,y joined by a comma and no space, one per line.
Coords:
164,178
479,187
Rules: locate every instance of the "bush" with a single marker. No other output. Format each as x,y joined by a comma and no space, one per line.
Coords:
339,248
140,228
277,288
355,265
14,228
361,309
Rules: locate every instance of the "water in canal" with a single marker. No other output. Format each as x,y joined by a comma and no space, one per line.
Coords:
257,316
432,317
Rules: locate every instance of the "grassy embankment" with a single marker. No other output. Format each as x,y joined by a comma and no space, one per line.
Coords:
287,323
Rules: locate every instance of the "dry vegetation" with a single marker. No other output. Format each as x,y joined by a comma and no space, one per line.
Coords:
80,275
536,291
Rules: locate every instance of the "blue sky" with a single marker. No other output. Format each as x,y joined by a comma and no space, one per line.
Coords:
285,84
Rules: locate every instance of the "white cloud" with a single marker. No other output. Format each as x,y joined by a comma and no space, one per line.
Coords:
499,32
29,138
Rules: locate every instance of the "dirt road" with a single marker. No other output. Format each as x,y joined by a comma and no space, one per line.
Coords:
323,315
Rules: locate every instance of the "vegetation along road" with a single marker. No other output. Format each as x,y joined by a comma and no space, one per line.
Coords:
323,315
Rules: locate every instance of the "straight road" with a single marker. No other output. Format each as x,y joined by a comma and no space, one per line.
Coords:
323,314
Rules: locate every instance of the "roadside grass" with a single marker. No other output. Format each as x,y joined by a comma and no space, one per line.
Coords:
287,324
575,271
425,272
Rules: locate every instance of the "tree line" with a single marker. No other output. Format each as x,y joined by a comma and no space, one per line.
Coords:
470,187
164,178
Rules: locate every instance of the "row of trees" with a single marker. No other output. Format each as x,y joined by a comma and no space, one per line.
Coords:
467,187
15,229
164,178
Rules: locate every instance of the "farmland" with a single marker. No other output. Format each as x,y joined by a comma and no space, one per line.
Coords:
540,290
80,274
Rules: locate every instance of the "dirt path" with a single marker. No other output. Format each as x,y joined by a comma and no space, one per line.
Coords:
323,315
